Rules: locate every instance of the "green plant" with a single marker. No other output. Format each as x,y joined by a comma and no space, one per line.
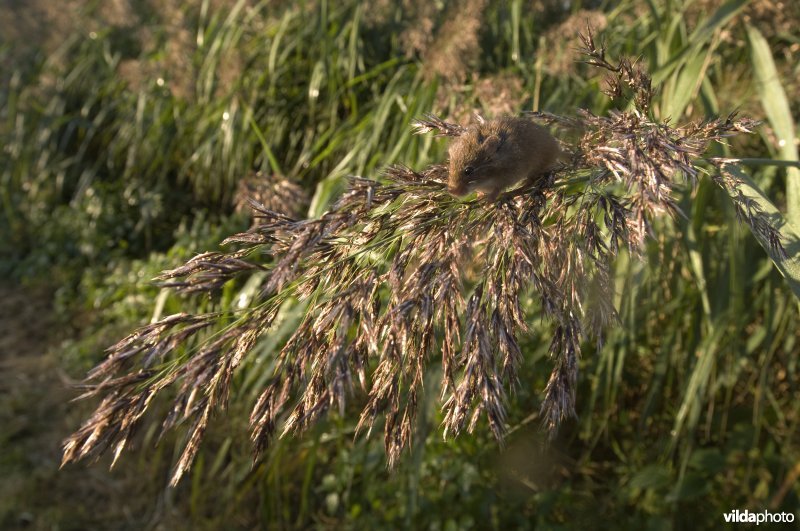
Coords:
382,279
688,409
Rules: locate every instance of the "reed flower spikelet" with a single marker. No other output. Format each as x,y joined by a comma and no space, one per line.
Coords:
399,274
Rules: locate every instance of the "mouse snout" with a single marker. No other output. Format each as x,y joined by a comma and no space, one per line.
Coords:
457,188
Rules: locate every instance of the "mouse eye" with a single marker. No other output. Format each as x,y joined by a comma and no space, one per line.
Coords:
468,170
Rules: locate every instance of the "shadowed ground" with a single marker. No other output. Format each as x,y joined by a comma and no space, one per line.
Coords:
35,415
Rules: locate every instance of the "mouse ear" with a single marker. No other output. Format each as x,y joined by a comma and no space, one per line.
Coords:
493,143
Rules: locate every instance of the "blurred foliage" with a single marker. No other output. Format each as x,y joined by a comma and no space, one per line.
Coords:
122,152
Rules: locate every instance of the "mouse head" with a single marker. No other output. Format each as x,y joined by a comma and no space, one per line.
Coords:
473,159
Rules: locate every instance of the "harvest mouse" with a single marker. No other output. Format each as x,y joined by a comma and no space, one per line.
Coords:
495,154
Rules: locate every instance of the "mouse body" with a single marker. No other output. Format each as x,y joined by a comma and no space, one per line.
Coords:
495,154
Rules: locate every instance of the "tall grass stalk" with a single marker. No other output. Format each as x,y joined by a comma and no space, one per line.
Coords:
98,171
394,273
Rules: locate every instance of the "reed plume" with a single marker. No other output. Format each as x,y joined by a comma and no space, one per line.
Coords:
398,275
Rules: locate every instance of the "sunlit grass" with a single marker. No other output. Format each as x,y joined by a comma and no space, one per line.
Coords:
689,410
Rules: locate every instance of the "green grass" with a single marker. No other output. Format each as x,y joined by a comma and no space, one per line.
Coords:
691,408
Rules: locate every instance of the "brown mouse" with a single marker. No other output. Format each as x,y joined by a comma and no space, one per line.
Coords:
495,154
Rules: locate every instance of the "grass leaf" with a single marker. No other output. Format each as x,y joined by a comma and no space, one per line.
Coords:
776,105
789,265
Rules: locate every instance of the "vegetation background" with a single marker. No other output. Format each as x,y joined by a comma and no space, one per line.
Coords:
132,132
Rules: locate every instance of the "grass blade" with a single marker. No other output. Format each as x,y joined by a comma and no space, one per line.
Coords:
779,114
788,265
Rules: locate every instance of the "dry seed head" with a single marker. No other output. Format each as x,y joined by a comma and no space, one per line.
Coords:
447,288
